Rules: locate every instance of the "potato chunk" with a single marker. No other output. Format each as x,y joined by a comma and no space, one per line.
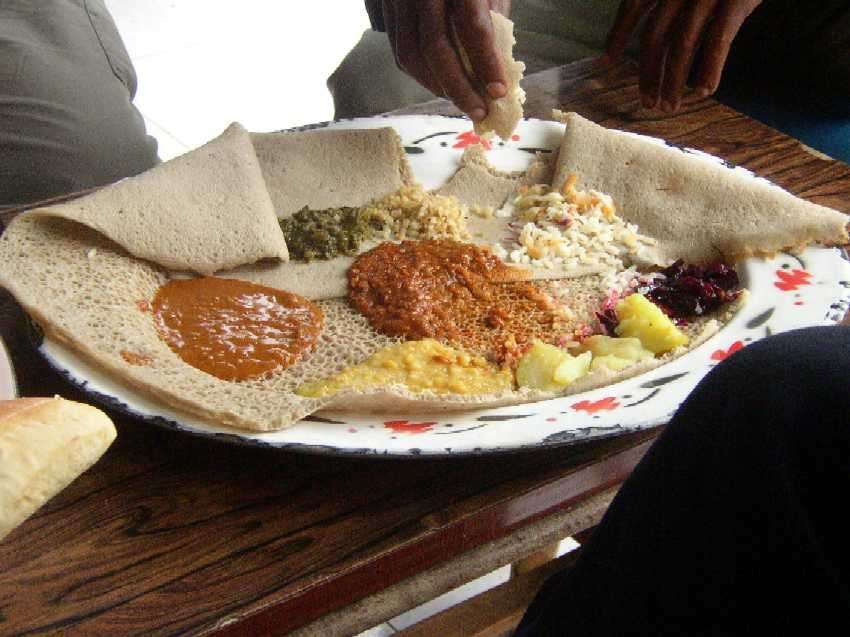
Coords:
642,319
550,368
614,353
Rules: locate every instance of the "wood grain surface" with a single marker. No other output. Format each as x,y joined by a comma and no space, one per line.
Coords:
171,534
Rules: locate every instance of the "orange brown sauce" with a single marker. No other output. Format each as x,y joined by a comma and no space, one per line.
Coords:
134,358
235,330
454,292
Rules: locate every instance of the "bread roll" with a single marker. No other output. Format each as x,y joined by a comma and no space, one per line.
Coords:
45,443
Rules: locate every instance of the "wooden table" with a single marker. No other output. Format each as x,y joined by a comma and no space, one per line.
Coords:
172,534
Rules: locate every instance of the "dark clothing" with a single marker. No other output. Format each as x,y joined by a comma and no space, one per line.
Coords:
67,121
796,54
733,523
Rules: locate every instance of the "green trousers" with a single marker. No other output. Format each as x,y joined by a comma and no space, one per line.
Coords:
67,121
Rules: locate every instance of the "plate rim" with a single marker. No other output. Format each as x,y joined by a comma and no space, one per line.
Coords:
571,437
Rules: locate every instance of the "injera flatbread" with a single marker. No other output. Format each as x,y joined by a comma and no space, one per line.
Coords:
87,292
204,211
328,168
314,280
328,279
503,114
475,183
478,183
697,210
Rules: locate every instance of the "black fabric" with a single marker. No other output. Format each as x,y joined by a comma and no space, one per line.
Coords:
375,10
734,522
794,53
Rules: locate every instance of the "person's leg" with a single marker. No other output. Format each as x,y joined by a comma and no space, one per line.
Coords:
548,33
67,121
368,82
733,523
790,68
800,51
556,32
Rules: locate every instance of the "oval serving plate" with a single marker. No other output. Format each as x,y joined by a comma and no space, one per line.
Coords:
786,292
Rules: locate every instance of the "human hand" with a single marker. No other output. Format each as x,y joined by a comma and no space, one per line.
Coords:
425,48
678,35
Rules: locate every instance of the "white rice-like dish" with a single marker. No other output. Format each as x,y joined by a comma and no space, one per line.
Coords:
569,228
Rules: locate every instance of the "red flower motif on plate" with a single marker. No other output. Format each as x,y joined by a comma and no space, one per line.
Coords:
723,354
592,406
407,427
469,138
789,281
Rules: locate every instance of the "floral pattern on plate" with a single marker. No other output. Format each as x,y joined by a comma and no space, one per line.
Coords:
786,292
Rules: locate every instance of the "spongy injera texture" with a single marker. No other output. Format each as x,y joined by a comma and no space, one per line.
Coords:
88,293
204,211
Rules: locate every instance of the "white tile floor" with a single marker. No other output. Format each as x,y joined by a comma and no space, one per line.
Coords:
203,64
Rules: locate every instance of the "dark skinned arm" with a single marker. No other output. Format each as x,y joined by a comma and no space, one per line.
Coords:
425,36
